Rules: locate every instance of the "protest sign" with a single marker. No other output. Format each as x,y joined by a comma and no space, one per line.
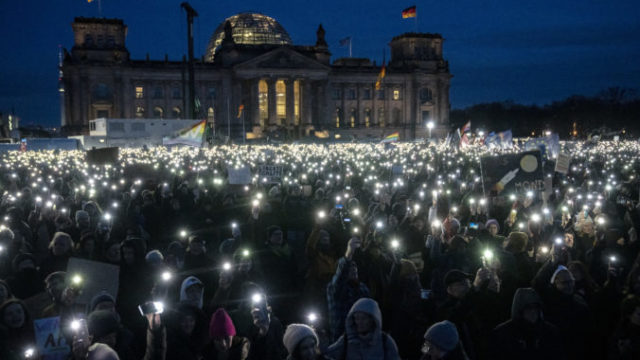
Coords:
562,163
273,173
96,277
512,173
239,176
50,341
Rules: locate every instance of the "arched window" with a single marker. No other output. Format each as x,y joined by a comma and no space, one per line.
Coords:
367,117
263,102
353,117
211,115
139,111
158,112
338,117
176,112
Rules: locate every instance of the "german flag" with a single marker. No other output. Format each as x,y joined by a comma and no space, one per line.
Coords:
381,75
409,12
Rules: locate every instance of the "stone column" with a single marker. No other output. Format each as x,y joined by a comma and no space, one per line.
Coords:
255,103
290,101
273,114
305,103
359,112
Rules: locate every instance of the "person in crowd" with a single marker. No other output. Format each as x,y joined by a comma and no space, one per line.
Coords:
441,342
25,281
224,343
302,343
186,333
5,291
625,342
363,337
16,329
60,250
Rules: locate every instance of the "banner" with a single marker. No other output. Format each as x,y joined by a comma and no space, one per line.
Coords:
239,176
562,163
512,173
50,341
273,173
96,277
191,136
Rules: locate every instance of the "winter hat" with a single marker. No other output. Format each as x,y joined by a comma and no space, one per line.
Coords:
555,273
102,323
492,222
443,335
407,269
154,256
81,215
221,325
453,276
20,258
101,297
295,333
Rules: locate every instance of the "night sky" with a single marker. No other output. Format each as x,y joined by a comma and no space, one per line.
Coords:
529,52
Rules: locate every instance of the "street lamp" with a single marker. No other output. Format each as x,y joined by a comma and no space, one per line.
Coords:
430,126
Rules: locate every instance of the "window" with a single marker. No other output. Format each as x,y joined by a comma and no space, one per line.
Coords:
102,92
380,94
263,102
338,116
92,126
211,93
367,117
100,40
116,126
88,40
139,92
397,117
397,95
111,41
351,94
158,112
176,112
138,127
426,116
158,92
139,111
176,93
281,102
366,94
210,115
381,114
336,94
353,118
296,102
425,95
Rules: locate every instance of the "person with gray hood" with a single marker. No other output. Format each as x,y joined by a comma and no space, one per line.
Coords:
364,338
527,335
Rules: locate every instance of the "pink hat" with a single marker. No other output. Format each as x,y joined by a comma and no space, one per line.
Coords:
221,325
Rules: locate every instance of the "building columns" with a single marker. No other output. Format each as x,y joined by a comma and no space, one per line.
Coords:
305,111
290,102
255,102
273,112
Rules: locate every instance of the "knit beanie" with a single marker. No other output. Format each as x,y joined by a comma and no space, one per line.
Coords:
153,257
101,297
295,333
492,222
443,335
221,325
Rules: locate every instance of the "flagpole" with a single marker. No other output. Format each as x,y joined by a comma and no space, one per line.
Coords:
350,41
99,8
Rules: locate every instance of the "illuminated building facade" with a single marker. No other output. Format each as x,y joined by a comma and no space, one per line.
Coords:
251,64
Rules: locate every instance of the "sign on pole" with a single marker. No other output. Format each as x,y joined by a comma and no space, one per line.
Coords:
273,173
50,341
512,173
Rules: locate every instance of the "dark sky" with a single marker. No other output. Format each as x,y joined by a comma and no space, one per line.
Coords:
526,51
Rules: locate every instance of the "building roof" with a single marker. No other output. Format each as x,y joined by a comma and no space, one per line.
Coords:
249,29
94,20
417,35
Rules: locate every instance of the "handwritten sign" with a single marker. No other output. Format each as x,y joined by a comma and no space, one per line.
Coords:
49,339
513,172
273,173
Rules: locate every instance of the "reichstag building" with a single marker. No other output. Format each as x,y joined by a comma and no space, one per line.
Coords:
253,79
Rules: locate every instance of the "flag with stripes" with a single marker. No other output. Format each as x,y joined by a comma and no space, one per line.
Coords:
409,12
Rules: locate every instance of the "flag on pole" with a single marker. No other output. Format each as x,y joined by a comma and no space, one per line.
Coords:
391,138
466,127
346,41
409,12
191,136
240,108
89,1
381,75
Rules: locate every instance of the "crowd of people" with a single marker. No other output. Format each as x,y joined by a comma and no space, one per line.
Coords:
347,251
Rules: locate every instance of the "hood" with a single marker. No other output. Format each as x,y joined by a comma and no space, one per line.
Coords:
367,306
523,298
191,280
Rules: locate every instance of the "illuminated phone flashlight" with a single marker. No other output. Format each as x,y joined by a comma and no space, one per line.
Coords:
322,214
544,249
159,307
545,211
612,259
226,266
1,249
63,210
183,233
166,276
259,196
529,194
535,217
356,211
115,205
565,209
49,204
246,253
558,241
512,197
601,221
487,255
234,225
483,201
29,353
416,207
379,224
312,317
256,298
255,202
472,201
76,280
520,226
75,325
107,216
395,244
38,199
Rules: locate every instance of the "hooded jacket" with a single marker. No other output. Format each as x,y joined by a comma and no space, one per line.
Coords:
518,339
379,345
188,282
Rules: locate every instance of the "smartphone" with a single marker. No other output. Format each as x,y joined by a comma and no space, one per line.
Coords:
80,329
425,294
473,225
151,307
347,220
339,206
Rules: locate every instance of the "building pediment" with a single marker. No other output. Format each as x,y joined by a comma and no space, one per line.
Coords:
280,59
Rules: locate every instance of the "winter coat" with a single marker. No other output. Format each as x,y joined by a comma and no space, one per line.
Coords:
517,339
239,350
341,295
350,346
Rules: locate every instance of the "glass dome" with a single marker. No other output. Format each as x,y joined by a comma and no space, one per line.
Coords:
249,29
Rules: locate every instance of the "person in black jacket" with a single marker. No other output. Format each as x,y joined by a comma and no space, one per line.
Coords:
526,335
